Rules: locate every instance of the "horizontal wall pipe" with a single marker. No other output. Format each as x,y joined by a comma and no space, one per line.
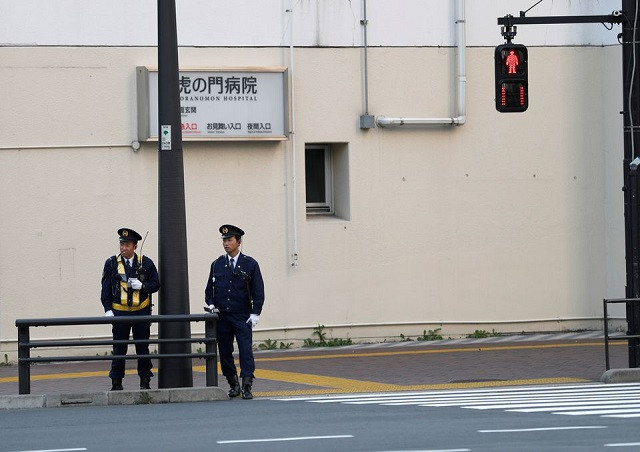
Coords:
461,84
386,122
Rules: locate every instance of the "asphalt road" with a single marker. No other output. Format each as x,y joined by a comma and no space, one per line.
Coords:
499,394
295,424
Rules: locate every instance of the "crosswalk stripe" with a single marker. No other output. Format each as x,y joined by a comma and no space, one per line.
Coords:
482,401
636,409
505,406
570,389
572,407
619,400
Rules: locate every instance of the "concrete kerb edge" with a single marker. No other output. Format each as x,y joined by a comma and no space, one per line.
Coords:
621,376
12,402
103,398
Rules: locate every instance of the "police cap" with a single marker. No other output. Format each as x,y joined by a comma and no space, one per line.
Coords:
229,230
128,235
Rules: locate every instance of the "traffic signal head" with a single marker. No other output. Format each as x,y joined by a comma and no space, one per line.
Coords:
512,86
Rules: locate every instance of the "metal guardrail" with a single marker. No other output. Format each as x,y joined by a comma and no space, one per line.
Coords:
608,338
25,344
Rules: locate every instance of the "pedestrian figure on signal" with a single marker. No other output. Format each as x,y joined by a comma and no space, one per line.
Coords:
236,291
512,62
128,280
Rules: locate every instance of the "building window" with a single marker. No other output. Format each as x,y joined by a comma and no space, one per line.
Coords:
319,178
327,179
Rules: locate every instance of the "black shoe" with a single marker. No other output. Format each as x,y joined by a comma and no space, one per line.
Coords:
246,387
116,384
144,382
235,386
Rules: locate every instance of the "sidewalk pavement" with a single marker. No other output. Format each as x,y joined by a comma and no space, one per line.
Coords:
397,366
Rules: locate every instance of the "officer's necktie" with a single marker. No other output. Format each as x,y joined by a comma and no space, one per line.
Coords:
127,266
231,264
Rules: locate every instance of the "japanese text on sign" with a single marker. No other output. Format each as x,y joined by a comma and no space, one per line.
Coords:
226,104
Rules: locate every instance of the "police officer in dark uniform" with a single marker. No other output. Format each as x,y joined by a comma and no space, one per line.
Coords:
236,290
128,280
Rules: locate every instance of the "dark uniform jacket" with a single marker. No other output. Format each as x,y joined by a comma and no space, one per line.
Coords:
240,290
110,294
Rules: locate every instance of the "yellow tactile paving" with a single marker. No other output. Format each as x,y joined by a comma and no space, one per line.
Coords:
353,386
59,376
342,384
345,385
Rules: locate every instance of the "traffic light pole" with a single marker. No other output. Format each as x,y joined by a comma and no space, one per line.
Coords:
631,159
509,29
631,100
614,18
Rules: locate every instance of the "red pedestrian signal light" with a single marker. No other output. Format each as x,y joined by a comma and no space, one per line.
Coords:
512,86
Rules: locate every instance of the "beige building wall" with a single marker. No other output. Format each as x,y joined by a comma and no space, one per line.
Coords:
510,222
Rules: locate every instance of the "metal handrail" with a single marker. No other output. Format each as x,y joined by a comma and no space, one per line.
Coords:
608,338
25,344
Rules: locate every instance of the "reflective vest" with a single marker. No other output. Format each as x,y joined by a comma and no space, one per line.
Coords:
129,298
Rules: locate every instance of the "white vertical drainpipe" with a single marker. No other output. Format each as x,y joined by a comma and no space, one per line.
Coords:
294,181
461,117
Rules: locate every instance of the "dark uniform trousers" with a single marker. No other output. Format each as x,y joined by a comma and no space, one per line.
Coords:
121,331
232,324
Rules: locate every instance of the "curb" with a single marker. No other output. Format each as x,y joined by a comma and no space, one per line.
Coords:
621,376
104,398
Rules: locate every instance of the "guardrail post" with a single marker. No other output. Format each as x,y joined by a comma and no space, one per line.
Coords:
211,362
606,334
24,366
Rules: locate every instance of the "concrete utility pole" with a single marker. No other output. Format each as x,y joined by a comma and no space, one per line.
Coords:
631,162
172,231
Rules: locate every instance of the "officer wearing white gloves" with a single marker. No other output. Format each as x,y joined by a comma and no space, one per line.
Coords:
253,320
236,291
128,280
135,283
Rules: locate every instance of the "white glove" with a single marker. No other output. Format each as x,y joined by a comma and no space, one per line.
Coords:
211,308
253,320
135,283
109,313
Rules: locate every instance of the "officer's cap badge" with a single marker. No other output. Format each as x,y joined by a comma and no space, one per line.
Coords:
229,230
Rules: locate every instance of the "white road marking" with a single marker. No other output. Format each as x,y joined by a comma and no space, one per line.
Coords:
610,400
554,405
602,410
430,450
543,429
55,450
558,389
272,440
